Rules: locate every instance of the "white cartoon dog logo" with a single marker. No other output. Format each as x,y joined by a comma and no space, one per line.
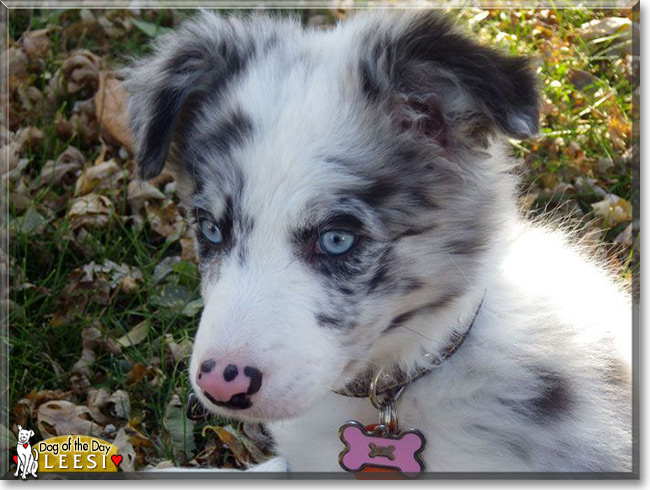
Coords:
27,459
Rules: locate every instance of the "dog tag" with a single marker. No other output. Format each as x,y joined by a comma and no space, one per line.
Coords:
375,448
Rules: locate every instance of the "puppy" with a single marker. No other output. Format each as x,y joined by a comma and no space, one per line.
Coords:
355,214
27,461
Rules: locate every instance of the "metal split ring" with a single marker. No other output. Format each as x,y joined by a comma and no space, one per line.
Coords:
380,430
373,392
388,417
387,411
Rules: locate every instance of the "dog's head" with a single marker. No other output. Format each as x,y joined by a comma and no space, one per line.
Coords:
340,182
24,435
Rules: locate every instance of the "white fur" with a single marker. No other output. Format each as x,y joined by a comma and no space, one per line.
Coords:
539,282
548,310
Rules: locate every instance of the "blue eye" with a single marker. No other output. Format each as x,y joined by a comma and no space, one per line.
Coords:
211,231
336,242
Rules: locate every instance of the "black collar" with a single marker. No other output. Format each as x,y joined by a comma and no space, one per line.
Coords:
394,381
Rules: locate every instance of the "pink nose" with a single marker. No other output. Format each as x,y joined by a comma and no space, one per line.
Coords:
227,384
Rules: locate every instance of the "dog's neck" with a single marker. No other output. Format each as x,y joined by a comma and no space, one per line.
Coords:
423,339
418,346
416,340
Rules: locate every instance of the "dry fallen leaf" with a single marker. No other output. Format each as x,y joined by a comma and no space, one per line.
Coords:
97,401
140,372
26,406
258,435
59,418
117,274
193,307
581,79
30,103
106,408
53,172
81,70
188,248
119,405
30,223
44,396
105,175
110,106
164,268
36,43
172,296
10,156
17,142
113,24
140,192
180,429
180,352
93,210
599,28
619,130
164,464
626,237
165,219
575,152
136,438
125,449
231,439
18,63
136,335
20,202
613,209
90,340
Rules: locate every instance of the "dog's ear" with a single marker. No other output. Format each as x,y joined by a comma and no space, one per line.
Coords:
445,84
20,427
197,60
31,434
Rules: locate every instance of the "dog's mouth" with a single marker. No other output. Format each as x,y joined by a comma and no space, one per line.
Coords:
240,401
196,411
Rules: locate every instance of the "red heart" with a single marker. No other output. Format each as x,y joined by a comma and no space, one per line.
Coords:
26,444
15,459
117,459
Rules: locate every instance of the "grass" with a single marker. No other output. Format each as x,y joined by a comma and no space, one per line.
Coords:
51,307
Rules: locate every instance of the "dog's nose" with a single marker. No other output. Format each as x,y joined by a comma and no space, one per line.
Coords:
228,384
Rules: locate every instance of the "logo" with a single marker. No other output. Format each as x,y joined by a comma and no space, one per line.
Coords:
64,454
77,454
26,458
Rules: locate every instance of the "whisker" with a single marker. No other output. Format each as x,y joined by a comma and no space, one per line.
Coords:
414,331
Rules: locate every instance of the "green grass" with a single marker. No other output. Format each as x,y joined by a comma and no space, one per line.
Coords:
47,262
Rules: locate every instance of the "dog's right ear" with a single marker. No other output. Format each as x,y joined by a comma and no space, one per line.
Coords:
197,59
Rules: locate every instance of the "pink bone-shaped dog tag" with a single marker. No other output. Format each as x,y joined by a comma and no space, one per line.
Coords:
364,449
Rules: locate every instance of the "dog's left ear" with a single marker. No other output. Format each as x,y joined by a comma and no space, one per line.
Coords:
450,87
31,434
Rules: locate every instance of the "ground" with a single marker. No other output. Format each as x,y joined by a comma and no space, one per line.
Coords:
103,299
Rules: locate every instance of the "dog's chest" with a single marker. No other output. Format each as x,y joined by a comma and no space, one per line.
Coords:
312,443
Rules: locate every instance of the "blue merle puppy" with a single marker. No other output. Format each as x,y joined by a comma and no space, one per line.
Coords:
355,214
